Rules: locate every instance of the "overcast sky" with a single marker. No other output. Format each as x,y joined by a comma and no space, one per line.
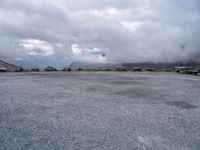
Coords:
59,32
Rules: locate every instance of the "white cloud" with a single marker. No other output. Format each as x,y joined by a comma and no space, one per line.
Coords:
76,49
132,26
37,47
88,54
132,30
107,13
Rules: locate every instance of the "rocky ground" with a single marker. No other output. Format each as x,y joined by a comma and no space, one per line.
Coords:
99,111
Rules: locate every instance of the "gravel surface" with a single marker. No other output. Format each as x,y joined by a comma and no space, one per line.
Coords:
99,111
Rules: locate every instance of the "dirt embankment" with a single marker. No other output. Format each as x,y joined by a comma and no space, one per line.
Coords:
8,67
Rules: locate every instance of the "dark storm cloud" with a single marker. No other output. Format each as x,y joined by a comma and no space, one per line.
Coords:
126,30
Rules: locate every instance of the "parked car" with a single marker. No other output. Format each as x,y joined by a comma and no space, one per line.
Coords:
188,70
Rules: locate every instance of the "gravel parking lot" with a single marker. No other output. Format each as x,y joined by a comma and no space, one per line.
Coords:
99,111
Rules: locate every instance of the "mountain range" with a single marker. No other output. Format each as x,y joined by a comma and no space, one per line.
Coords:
5,66
83,65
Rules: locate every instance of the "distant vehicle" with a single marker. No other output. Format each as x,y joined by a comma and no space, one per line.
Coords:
187,70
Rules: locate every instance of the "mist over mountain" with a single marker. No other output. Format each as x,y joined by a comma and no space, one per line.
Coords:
76,65
42,32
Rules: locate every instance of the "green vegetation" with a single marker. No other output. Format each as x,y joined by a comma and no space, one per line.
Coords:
90,70
138,69
80,69
103,69
35,69
50,69
135,69
150,69
107,69
21,69
98,69
67,69
168,70
123,69
118,69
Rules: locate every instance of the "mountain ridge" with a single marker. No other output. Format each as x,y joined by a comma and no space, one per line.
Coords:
76,65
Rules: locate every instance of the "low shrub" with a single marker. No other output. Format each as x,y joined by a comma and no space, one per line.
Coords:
107,69
150,69
80,69
103,69
21,69
121,69
135,69
35,69
49,68
90,70
67,69
138,69
167,70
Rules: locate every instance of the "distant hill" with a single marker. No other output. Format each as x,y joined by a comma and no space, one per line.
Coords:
8,67
76,65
